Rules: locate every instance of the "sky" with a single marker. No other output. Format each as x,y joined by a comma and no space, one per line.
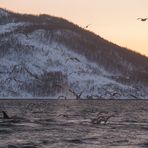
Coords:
114,20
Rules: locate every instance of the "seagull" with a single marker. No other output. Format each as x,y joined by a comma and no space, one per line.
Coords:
142,19
87,26
72,58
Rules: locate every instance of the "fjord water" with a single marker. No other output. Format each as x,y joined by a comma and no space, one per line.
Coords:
67,123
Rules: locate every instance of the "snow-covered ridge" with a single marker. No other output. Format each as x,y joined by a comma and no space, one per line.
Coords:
82,75
38,60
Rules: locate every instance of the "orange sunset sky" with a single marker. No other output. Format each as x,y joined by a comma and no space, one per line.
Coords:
114,20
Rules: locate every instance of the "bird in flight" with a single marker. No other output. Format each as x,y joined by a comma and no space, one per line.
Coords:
142,19
72,58
87,26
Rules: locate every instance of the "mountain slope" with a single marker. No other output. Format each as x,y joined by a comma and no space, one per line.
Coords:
49,56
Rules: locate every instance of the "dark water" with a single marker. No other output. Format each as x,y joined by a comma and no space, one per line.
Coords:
67,124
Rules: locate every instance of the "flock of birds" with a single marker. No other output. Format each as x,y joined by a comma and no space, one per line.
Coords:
101,118
141,19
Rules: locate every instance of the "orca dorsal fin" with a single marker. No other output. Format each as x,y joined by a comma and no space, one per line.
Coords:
5,116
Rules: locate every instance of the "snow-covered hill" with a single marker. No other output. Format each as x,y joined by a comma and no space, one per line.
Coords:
45,56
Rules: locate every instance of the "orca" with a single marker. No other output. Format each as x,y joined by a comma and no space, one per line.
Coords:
5,116
13,119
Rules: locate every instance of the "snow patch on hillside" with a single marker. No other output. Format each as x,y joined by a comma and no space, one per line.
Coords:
3,12
10,27
83,75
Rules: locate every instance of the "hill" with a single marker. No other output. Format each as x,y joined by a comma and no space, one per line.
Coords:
46,56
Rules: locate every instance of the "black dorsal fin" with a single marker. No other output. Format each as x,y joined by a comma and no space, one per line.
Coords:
5,116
